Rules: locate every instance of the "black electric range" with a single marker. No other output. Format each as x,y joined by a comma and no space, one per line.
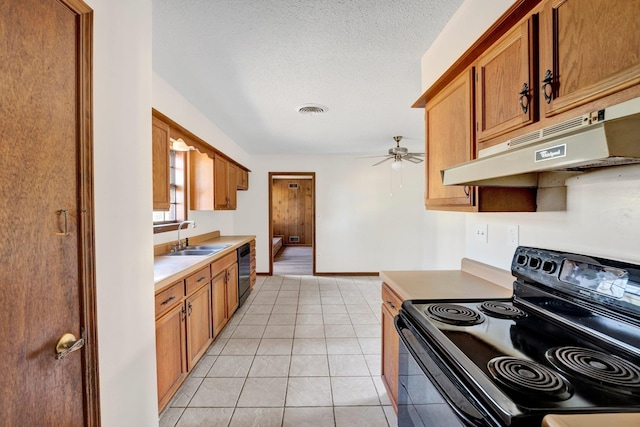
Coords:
568,341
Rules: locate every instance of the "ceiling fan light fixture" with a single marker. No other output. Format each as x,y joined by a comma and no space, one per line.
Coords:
311,109
397,164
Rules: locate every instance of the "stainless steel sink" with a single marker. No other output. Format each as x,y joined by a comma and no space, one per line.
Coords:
214,248
193,252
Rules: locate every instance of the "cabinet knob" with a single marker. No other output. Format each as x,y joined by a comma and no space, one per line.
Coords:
547,88
524,95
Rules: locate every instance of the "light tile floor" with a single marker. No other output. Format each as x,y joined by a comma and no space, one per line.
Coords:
302,351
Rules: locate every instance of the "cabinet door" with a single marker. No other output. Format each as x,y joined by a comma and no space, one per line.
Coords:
449,141
390,348
242,181
504,77
232,289
589,49
171,357
219,302
200,181
232,171
221,183
199,334
160,156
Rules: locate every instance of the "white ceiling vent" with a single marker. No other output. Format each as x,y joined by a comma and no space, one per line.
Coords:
312,109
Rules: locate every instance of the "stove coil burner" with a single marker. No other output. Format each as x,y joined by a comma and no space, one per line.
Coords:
501,310
454,314
529,378
599,369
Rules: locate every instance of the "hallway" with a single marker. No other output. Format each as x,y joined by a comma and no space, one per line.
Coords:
302,351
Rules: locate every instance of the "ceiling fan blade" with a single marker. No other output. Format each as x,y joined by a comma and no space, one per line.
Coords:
412,159
371,157
415,154
382,161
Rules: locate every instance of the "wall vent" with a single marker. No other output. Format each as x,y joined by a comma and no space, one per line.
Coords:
294,239
293,186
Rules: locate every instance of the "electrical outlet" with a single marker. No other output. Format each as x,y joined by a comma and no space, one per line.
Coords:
481,233
512,235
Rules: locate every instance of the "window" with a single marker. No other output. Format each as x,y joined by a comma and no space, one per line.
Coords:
169,220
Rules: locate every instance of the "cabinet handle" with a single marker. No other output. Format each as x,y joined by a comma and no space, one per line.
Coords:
391,304
524,94
190,309
200,279
467,191
184,314
168,300
548,81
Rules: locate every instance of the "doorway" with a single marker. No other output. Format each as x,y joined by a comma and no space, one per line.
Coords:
47,280
292,223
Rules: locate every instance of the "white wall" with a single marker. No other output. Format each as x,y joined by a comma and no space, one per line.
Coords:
360,226
122,184
602,219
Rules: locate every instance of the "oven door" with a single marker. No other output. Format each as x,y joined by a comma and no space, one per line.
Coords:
427,394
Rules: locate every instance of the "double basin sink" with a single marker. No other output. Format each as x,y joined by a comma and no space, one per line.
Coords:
201,250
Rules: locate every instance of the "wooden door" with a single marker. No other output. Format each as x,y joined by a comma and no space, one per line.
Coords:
160,156
449,141
219,302
504,76
232,289
171,356
199,334
47,280
589,49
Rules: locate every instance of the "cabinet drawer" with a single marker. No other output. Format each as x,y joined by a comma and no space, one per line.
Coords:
224,262
169,298
390,299
198,279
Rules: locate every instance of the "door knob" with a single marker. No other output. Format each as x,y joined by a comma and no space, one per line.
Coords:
68,344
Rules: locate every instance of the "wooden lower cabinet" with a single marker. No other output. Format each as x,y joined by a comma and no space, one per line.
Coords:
253,275
199,332
390,343
224,290
171,354
219,302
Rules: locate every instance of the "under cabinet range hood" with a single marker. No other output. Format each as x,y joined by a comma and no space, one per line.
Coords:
607,137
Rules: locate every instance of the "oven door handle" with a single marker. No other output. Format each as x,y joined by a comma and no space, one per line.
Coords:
468,419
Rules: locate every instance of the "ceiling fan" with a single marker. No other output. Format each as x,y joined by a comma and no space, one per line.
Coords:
398,154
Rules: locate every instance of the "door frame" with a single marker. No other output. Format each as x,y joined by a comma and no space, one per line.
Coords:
273,175
86,240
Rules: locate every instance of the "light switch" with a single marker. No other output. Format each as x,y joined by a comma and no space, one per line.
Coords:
512,235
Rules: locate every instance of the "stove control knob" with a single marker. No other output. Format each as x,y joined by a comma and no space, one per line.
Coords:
534,263
549,267
521,260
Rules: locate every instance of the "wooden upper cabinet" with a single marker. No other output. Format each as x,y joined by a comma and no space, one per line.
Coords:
449,141
160,156
200,181
242,181
505,82
224,195
589,49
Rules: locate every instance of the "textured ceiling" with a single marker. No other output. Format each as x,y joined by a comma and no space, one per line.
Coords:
249,64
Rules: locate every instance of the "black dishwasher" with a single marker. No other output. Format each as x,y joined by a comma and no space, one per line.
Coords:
244,273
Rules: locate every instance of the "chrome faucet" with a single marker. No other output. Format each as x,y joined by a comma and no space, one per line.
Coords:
179,246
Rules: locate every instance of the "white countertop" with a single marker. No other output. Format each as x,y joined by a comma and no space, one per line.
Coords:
167,269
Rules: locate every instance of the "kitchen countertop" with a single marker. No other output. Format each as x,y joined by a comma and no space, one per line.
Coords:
473,280
478,280
167,269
